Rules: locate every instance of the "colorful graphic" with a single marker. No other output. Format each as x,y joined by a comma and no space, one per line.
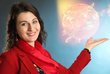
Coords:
79,22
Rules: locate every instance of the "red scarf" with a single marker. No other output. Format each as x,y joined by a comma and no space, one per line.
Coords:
39,56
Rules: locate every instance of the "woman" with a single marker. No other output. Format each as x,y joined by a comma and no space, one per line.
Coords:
24,52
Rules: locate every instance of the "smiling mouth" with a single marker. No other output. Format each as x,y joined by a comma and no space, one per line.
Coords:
31,34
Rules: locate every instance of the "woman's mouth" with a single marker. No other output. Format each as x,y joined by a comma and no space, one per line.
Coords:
31,34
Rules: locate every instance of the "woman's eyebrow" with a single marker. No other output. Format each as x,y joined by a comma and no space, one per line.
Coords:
35,19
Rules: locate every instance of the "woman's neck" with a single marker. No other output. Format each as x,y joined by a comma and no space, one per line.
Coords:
32,44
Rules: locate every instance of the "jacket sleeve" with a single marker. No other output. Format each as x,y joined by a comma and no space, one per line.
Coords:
81,61
7,64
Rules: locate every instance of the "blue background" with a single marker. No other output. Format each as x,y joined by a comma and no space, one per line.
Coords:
61,52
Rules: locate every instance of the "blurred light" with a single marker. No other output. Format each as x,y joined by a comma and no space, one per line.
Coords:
77,21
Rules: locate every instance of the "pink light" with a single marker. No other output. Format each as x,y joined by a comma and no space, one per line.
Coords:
79,22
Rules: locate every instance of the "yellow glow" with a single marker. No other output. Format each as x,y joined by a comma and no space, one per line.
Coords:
63,5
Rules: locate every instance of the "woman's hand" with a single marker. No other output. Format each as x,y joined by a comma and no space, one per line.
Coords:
91,43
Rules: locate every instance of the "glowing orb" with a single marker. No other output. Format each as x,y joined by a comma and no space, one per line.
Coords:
79,22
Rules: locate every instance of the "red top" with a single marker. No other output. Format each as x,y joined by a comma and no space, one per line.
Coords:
20,59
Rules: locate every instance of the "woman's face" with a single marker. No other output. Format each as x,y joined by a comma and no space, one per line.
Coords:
28,27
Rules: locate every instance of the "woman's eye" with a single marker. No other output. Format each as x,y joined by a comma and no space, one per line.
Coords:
34,22
23,24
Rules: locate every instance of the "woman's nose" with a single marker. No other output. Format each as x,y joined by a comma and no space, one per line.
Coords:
30,27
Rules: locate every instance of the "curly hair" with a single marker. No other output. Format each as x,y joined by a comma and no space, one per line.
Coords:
16,9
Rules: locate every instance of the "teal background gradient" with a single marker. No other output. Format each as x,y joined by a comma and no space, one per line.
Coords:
61,52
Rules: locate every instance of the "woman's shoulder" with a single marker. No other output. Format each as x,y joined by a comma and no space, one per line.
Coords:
8,55
8,60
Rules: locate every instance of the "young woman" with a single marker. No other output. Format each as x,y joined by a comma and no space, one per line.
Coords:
24,52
